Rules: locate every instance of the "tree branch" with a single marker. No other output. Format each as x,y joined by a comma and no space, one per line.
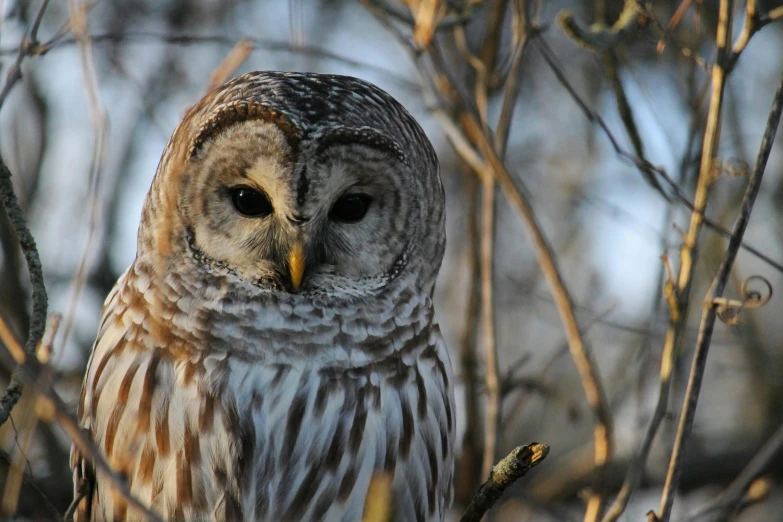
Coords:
39,298
713,303
731,497
514,466
645,167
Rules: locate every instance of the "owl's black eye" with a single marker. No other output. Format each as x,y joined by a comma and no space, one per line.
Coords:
350,208
250,202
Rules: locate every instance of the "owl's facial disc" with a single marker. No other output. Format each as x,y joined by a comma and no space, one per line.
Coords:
331,217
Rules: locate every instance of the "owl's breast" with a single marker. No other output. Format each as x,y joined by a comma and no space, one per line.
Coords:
236,420
320,431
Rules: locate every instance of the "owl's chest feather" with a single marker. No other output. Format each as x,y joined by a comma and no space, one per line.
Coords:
231,435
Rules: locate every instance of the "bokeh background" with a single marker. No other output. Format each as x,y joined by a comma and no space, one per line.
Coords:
608,225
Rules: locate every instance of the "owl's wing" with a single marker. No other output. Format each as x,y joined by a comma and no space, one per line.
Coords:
82,468
425,488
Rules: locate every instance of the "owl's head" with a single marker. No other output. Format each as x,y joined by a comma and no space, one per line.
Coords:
300,183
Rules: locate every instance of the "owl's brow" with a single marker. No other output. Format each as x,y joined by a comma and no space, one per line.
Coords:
241,111
363,136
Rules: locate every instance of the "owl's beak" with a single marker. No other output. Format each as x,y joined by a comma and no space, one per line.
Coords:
296,264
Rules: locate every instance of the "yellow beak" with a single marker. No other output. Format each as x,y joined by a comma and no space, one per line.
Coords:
296,264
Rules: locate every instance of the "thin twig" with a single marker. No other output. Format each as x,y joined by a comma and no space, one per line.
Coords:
599,37
639,163
50,407
230,64
477,137
586,366
754,21
483,66
30,482
677,291
638,464
511,87
402,15
734,493
467,468
144,37
491,369
712,302
26,48
514,466
79,10
603,40
495,18
16,472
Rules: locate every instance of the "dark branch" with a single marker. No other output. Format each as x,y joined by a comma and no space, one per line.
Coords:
712,305
39,298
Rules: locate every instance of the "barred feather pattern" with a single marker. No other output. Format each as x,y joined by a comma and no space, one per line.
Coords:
221,399
218,409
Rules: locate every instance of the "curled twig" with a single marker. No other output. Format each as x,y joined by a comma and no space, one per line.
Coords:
729,310
514,466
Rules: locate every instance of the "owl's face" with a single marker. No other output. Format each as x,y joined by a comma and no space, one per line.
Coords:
333,216
300,183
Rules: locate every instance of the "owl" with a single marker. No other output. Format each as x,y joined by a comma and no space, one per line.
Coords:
273,346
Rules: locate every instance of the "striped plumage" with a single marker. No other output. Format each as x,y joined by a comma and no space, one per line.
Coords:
224,389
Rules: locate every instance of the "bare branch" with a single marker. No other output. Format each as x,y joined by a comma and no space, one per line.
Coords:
586,366
79,10
730,498
50,407
491,377
599,37
514,466
511,88
16,472
27,47
644,166
448,21
28,481
143,37
712,303
466,472
477,137
754,21
230,64
39,298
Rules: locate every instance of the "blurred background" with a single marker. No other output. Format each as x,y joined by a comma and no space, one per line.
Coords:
82,163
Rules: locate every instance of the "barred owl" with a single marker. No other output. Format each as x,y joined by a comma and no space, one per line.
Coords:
273,345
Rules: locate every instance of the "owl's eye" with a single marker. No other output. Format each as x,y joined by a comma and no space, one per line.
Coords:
250,202
350,208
